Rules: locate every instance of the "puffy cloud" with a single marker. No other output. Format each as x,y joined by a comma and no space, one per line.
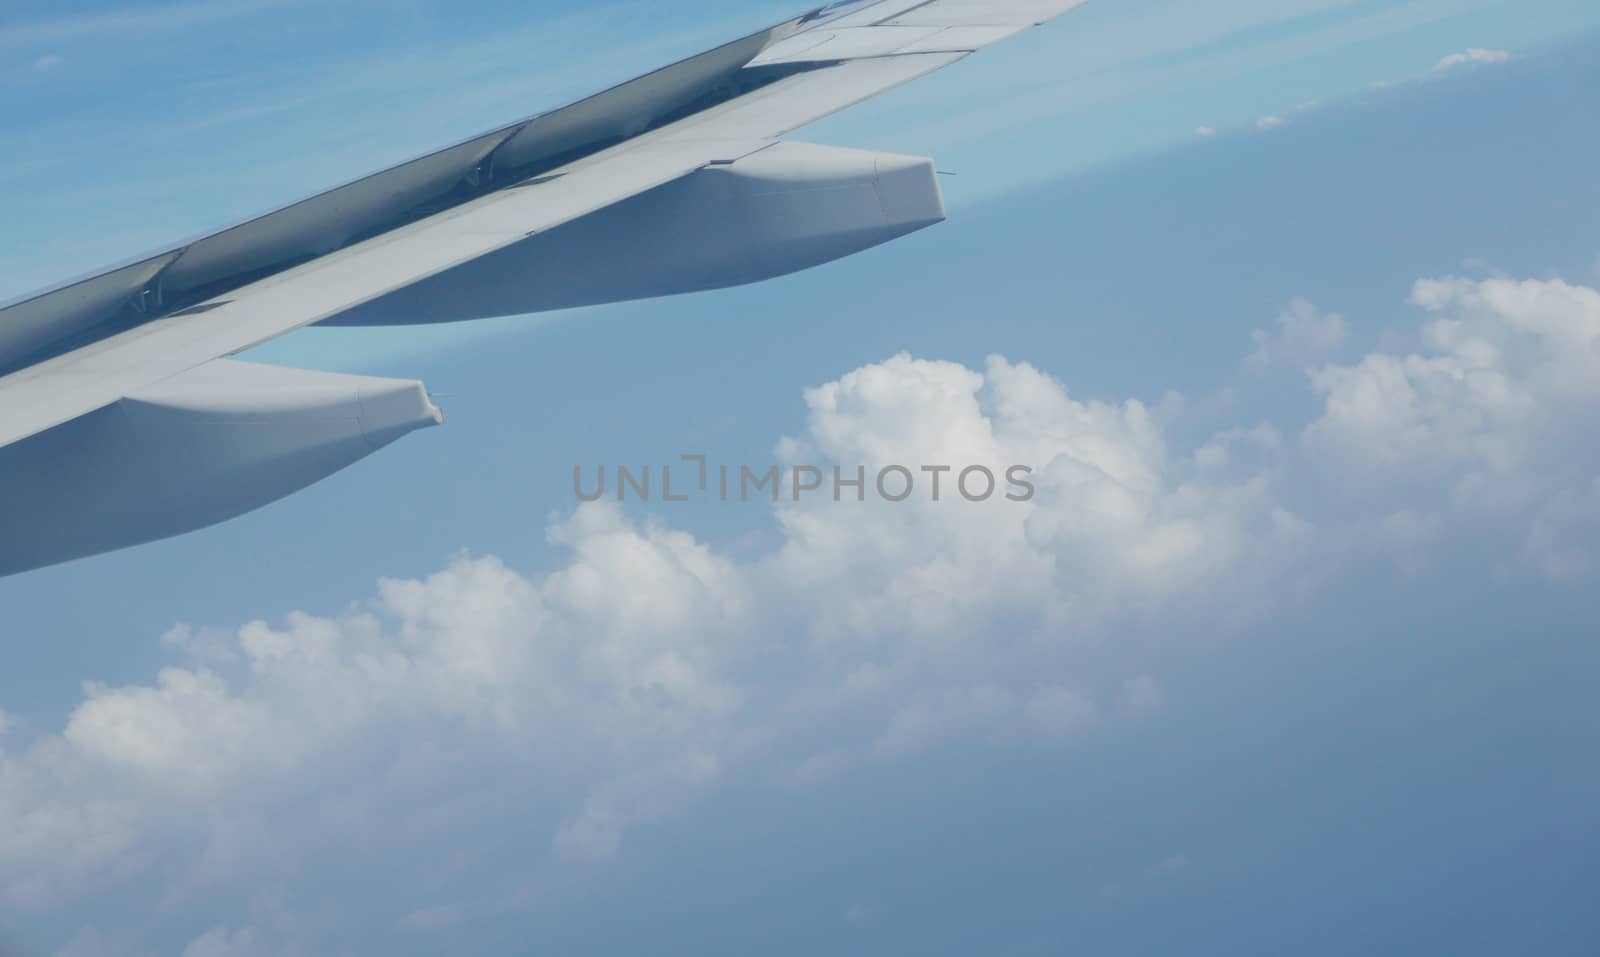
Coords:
1205,131
1471,56
1506,367
1484,420
1303,335
649,668
1118,520
472,666
627,680
1270,122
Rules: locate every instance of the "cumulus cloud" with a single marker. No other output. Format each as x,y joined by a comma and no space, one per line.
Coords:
1303,335
1205,131
1269,122
1483,421
649,669
1505,364
621,684
1471,56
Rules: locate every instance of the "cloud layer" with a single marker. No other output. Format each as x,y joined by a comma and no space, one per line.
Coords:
650,669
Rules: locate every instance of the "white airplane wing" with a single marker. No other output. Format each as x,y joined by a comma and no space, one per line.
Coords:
679,176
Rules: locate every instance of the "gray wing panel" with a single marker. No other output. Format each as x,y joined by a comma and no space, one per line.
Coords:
70,385
806,97
85,344
232,257
34,324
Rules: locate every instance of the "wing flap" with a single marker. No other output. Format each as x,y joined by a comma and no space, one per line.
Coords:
34,324
964,13
230,257
852,43
791,103
84,345
86,379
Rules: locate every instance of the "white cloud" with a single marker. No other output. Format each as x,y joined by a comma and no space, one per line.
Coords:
625,670
1483,421
1304,335
649,669
49,61
1205,131
1472,56
1502,369
1269,122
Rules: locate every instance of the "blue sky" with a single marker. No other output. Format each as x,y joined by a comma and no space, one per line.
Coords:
1303,662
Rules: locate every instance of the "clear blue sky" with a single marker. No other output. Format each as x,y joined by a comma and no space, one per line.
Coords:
1295,655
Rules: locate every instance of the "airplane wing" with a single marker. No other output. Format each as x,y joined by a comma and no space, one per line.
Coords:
463,232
